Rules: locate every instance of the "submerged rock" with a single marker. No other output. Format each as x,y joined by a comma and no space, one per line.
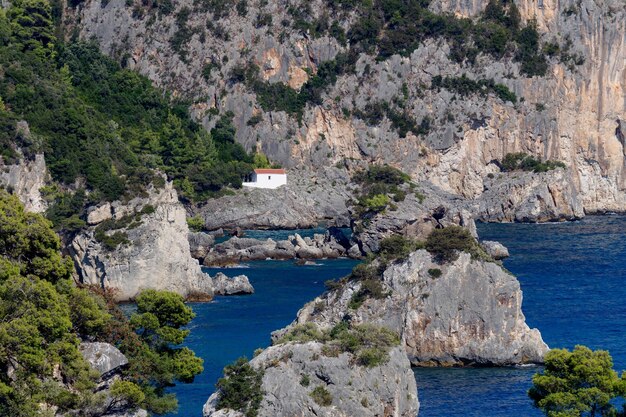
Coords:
293,371
467,312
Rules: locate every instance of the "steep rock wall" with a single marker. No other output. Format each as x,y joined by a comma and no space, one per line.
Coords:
156,254
574,114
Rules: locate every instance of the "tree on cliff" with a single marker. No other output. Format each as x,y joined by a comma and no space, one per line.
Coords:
578,383
44,317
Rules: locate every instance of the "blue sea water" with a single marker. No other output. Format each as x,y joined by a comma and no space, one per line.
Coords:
572,275
230,327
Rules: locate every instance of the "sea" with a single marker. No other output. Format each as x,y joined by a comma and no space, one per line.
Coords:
573,277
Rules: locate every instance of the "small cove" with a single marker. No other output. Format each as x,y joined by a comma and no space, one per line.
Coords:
572,275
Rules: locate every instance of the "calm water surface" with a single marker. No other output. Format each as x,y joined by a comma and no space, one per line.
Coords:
572,274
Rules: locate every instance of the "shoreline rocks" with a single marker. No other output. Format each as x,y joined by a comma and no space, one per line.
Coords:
236,250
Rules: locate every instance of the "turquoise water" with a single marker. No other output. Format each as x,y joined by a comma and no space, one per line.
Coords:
572,274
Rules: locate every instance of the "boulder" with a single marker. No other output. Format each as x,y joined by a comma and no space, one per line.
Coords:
99,214
154,253
223,285
200,244
495,249
104,357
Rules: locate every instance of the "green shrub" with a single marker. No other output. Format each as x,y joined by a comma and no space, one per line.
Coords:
378,182
322,396
445,243
524,162
397,247
434,272
370,288
305,380
466,86
195,223
302,333
240,388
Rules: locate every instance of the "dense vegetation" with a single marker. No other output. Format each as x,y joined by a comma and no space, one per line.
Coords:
240,388
578,383
523,162
370,344
102,127
445,244
466,86
381,185
44,316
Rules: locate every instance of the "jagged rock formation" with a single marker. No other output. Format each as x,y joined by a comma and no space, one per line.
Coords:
237,250
385,390
467,312
416,216
223,285
575,113
530,197
154,253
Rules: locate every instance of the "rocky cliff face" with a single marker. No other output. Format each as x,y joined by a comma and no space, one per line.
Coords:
467,312
308,199
385,390
25,179
575,113
153,251
529,197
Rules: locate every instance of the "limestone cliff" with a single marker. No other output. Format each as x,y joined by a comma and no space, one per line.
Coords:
25,179
467,312
575,113
293,371
151,250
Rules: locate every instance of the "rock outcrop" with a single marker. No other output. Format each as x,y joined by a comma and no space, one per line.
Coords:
25,179
530,197
308,198
108,361
467,312
151,250
104,357
416,216
223,285
293,371
495,249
